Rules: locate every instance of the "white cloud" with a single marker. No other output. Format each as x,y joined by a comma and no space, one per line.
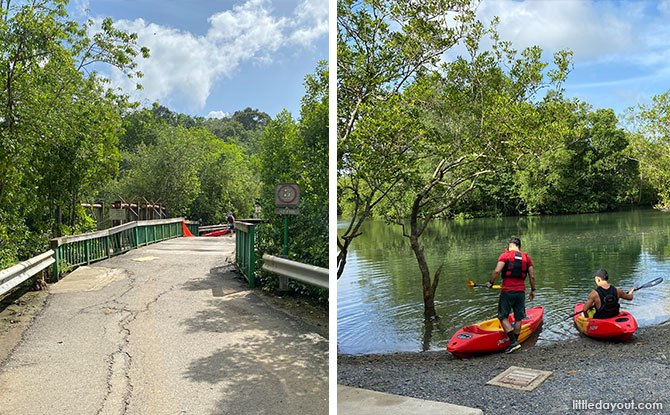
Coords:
218,114
555,25
628,96
311,22
184,66
81,7
664,6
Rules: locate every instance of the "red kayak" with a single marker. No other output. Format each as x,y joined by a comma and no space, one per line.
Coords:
620,327
216,233
488,336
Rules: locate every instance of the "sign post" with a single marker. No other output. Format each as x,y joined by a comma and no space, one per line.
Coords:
287,200
286,236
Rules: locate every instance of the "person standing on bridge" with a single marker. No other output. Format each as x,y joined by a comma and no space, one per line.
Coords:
514,265
231,224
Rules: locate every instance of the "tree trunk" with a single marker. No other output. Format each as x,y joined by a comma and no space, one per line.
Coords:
59,222
429,325
73,210
428,287
342,259
639,194
342,255
40,283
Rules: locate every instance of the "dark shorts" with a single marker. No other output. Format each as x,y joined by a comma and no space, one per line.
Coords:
512,300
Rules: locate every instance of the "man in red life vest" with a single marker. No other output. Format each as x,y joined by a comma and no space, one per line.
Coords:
514,265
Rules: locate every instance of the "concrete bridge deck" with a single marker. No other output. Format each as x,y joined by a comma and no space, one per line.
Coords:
164,329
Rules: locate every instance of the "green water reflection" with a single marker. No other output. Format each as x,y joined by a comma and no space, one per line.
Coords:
380,300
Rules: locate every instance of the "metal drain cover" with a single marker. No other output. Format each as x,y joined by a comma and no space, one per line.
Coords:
520,378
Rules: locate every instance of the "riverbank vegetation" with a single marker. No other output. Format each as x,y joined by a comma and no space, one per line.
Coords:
439,118
67,136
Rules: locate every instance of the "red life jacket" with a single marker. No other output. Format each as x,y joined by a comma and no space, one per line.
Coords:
516,265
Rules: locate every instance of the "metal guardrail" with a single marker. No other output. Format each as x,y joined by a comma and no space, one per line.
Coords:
308,274
15,275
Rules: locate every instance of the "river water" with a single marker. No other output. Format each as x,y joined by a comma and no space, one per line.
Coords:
379,297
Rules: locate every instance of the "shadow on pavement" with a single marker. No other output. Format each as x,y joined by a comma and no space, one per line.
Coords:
270,364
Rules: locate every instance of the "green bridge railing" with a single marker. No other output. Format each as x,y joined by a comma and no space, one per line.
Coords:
245,243
74,250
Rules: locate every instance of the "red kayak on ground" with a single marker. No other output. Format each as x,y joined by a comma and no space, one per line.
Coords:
488,336
216,233
620,327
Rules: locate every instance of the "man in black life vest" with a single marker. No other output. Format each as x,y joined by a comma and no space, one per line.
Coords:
603,302
514,265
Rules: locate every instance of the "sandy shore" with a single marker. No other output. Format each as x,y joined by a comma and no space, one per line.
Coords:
583,368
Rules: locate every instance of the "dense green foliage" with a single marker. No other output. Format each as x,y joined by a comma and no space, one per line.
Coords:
66,138
297,152
485,133
381,46
57,121
590,173
650,145
180,161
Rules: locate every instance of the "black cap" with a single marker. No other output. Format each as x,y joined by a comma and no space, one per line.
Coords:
602,273
516,241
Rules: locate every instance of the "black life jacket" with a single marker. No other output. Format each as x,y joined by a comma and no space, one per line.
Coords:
609,302
516,265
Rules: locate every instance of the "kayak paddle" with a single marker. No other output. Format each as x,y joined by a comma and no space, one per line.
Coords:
646,285
472,284
649,284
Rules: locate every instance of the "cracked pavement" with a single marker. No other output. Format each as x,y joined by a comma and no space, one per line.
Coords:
164,329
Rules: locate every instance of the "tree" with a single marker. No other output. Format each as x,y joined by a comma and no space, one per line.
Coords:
251,119
192,171
381,46
80,154
166,171
591,174
227,183
478,116
297,151
58,120
649,127
45,55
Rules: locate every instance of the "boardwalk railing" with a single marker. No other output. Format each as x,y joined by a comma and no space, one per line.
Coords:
74,250
245,242
69,251
308,274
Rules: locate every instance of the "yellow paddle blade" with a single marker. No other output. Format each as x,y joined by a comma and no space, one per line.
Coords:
471,284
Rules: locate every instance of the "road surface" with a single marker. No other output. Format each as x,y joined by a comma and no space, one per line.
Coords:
164,329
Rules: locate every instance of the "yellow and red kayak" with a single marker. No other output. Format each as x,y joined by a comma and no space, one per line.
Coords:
488,336
620,327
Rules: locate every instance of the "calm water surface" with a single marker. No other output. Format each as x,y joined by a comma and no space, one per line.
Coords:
380,306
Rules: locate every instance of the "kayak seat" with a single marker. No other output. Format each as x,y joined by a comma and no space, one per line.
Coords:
477,329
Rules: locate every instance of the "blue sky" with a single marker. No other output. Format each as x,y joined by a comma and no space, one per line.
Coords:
219,56
621,48
212,57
